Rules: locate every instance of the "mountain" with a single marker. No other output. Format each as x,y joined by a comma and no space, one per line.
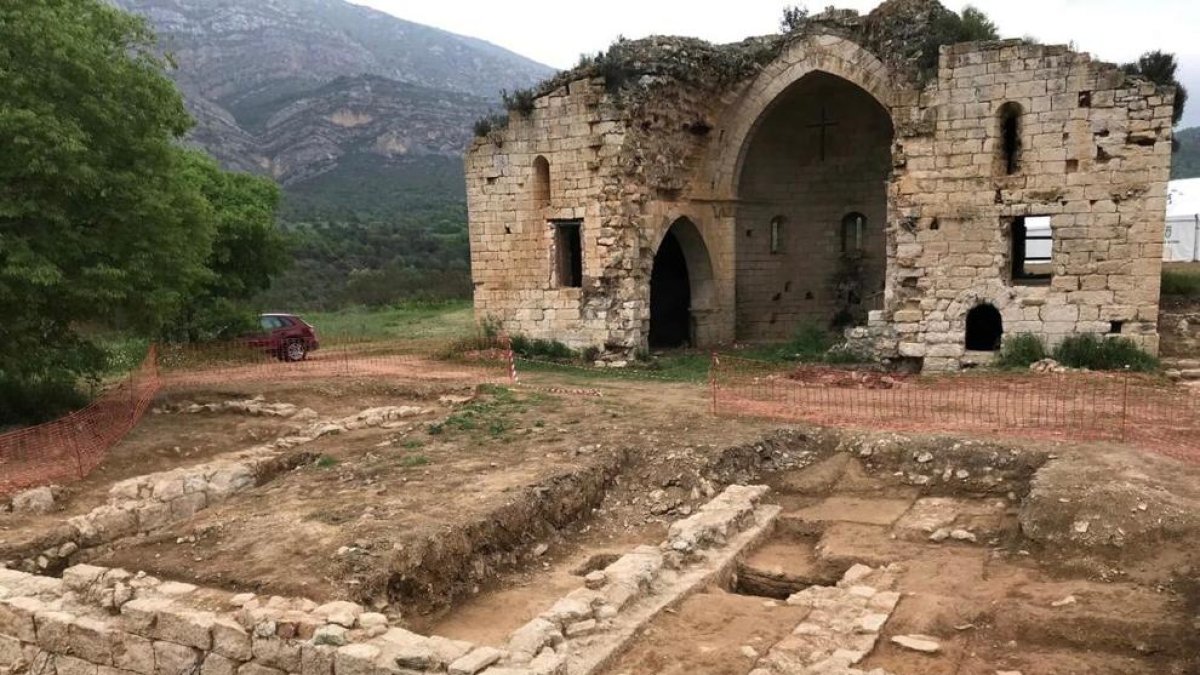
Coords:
1185,163
291,87
362,118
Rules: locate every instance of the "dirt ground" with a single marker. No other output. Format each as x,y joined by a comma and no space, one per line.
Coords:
413,518
991,605
470,518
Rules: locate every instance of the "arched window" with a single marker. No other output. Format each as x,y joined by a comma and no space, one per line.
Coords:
777,233
985,329
1010,138
854,232
541,185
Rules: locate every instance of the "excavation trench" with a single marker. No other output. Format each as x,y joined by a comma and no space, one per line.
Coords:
962,574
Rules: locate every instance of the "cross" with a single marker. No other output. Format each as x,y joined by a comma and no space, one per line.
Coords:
823,125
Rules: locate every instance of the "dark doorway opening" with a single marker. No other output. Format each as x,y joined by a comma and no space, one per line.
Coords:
985,329
670,297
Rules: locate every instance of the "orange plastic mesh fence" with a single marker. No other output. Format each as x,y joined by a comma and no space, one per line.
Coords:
68,448
1123,407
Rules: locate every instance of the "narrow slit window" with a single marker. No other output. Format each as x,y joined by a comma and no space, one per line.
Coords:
1010,138
541,183
568,253
1032,250
854,230
776,234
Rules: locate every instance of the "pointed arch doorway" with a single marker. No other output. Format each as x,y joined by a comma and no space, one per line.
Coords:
681,288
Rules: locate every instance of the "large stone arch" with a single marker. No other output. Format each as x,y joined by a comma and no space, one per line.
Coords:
685,237
737,123
780,288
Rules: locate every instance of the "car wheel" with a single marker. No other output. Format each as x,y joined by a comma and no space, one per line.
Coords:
294,351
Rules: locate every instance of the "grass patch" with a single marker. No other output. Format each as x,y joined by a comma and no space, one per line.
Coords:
1021,351
411,461
325,462
671,367
1096,353
1181,282
490,417
411,321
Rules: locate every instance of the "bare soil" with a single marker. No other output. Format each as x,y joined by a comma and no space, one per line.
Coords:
421,518
991,605
470,519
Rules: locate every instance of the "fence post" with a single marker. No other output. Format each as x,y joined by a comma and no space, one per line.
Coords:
511,356
712,380
1125,404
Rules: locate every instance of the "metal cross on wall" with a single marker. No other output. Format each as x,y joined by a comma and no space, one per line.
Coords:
823,125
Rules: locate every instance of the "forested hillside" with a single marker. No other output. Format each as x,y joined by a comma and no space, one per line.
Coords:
1186,162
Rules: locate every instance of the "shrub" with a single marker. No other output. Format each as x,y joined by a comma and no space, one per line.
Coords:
1181,284
794,18
1095,353
532,348
810,343
490,123
1021,351
520,101
24,402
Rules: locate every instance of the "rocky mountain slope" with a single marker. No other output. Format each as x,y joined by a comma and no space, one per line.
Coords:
293,88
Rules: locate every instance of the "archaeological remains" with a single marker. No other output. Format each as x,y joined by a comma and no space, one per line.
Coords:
931,200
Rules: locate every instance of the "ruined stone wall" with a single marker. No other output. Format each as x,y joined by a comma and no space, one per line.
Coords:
622,181
1095,156
512,240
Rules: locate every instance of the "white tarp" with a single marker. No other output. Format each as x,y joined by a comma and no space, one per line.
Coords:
1181,241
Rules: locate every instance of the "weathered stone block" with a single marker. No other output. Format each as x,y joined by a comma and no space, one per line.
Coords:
276,653
17,617
175,659
356,659
215,664
133,653
475,661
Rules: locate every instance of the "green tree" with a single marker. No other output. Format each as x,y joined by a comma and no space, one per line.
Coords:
1159,67
950,28
247,251
104,218
97,219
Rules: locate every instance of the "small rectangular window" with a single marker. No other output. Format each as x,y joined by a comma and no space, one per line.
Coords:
1032,250
776,225
568,253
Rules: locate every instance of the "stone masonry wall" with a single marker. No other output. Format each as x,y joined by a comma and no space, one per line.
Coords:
512,241
1095,159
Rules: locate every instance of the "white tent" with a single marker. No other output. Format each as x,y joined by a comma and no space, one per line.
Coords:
1181,242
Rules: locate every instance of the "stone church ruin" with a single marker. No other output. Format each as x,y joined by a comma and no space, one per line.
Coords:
929,200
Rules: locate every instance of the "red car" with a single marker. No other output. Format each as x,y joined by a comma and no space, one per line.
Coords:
286,336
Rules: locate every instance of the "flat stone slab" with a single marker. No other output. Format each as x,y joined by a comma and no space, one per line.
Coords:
940,517
853,510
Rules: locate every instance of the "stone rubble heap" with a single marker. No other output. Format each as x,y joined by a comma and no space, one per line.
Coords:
255,407
149,503
35,501
841,628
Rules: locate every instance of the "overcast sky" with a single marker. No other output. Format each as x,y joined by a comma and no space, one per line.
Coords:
556,32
